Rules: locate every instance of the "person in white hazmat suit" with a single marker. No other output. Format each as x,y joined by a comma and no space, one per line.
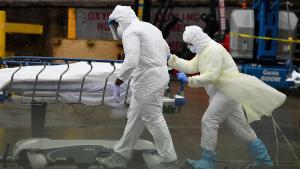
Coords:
229,92
146,54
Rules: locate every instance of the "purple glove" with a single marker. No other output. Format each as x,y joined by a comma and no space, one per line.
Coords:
116,93
182,77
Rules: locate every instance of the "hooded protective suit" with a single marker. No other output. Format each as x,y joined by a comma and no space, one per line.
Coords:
146,61
228,89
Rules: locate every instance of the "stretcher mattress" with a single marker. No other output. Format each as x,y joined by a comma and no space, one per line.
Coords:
70,86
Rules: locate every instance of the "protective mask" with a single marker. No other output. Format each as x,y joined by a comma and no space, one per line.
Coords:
192,48
120,31
113,26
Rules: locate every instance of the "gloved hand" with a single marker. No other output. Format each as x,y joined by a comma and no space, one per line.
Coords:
182,77
116,93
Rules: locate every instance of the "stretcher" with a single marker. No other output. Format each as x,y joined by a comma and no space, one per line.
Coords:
80,82
39,81
87,81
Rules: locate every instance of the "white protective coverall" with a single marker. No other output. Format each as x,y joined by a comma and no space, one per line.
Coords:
228,89
146,54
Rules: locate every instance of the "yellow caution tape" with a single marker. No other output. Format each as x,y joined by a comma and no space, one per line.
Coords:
289,40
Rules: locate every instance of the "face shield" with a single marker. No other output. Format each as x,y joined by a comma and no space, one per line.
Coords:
113,26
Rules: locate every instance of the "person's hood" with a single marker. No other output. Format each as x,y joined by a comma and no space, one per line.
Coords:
194,35
124,15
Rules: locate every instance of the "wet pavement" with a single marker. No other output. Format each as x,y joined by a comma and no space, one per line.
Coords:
86,122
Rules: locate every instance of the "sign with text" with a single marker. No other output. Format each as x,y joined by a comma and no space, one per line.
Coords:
92,23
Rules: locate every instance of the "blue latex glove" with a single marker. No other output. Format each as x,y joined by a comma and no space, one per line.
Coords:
116,93
182,77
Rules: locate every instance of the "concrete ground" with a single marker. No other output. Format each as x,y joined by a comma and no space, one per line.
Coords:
101,122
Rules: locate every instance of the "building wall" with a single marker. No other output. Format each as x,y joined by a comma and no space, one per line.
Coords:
90,27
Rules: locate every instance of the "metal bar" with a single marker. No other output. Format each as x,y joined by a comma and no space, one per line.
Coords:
2,33
36,79
28,63
290,36
32,58
59,82
38,117
24,28
12,78
71,23
7,150
106,80
82,83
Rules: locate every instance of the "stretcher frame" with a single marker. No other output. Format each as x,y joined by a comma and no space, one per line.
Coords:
38,108
39,159
39,100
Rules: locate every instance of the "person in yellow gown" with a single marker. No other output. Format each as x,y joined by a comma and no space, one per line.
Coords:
229,93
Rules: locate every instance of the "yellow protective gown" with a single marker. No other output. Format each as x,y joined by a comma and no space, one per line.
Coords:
217,67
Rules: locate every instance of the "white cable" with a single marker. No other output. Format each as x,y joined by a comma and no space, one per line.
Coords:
277,147
287,141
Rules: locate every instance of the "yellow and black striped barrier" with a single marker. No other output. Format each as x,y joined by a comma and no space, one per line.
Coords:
289,40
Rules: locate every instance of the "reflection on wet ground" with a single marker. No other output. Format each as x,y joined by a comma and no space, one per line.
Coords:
102,122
